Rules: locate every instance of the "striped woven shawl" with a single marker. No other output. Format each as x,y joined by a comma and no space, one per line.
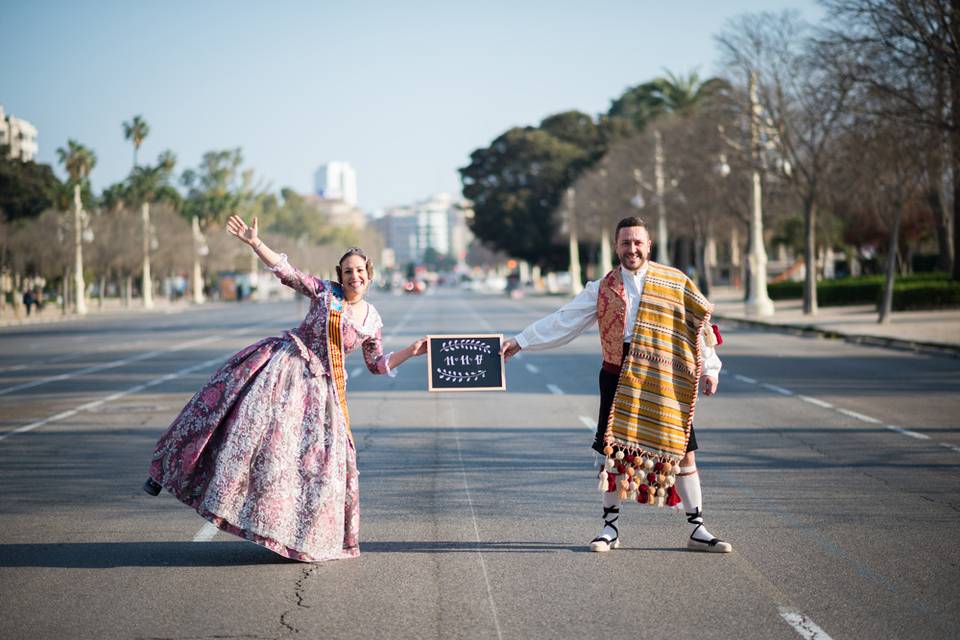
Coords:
656,395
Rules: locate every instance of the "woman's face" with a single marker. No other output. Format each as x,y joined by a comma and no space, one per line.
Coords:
353,273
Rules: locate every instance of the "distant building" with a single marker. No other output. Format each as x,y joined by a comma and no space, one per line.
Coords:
19,135
437,223
336,181
338,212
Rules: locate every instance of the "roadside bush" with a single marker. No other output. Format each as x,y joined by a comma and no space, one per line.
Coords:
918,291
913,296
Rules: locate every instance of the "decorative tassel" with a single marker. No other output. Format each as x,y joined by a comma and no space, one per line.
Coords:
673,498
602,486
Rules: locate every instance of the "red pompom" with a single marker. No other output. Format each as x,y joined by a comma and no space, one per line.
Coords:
630,458
611,483
652,478
644,488
716,332
658,466
620,468
673,498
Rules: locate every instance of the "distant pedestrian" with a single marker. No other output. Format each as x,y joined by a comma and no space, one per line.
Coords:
264,450
28,300
657,344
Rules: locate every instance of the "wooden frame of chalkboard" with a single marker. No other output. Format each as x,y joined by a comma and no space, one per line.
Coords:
465,362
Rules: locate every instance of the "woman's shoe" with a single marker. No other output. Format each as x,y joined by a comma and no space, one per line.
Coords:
152,487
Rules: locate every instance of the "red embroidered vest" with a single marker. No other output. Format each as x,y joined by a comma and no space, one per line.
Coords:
611,315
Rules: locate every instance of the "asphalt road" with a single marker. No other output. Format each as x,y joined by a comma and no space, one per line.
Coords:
833,469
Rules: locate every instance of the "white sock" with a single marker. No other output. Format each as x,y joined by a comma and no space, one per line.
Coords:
688,486
610,499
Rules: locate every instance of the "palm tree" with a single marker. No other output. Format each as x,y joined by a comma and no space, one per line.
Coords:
670,93
644,104
79,161
136,130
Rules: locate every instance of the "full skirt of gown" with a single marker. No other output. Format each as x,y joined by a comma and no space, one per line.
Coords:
262,451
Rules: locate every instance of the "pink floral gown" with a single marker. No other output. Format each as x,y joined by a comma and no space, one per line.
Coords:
264,449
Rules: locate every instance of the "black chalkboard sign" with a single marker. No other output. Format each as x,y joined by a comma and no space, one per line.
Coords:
465,363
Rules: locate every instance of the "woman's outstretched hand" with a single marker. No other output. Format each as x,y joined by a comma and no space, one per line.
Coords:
419,347
239,228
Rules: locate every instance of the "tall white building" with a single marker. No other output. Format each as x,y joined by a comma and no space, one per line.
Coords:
436,223
336,181
20,135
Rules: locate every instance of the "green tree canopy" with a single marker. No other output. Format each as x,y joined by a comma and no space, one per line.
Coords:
516,184
216,188
27,189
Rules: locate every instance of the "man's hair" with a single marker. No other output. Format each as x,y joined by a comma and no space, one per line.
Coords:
631,221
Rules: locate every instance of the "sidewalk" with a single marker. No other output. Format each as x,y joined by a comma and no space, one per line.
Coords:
921,331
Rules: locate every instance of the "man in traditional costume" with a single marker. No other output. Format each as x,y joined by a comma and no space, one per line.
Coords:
657,344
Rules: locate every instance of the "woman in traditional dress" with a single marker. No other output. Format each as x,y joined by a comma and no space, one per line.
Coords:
264,449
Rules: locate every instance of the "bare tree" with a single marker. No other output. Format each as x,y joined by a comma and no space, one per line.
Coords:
804,100
908,52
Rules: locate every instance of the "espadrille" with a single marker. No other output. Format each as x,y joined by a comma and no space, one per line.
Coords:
604,542
713,545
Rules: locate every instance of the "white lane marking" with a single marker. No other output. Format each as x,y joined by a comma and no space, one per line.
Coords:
908,432
803,625
773,387
476,533
206,533
110,398
819,403
119,363
744,379
858,416
952,447
531,368
588,423
554,389
356,372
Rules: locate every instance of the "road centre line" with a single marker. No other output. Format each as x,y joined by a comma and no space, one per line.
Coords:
744,379
773,387
114,396
816,401
847,412
476,533
206,533
908,432
531,368
858,416
119,363
554,389
588,423
806,627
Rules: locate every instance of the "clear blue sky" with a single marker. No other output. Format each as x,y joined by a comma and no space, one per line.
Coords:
404,90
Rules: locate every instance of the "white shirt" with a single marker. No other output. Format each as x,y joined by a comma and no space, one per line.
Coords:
578,315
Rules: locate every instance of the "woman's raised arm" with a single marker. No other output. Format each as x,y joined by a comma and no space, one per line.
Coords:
248,235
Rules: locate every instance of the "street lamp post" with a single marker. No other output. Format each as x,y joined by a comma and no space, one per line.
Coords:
78,283
147,285
199,249
663,255
576,285
758,301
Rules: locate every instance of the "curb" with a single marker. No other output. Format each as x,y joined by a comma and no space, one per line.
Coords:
899,344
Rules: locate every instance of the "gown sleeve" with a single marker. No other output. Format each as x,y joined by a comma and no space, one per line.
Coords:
309,285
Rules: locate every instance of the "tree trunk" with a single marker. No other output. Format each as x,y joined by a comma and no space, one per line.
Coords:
64,291
100,287
127,290
955,153
810,257
886,305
